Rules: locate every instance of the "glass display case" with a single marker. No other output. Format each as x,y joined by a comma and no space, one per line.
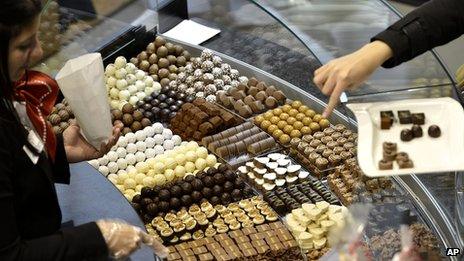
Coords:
282,42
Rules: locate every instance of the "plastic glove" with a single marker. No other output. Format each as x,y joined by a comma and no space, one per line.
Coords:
350,71
123,239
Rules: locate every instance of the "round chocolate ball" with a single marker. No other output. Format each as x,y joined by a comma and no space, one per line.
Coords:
223,168
162,97
127,119
190,98
239,183
228,186
170,101
236,194
173,108
117,114
172,114
156,199
149,116
207,192
217,190
154,95
128,108
175,203
247,191
215,200
434,131
230,175
208,181
164,195
152,209
219,179
162,51
139,104
165,89
146,192
137,115
148,99
156,111
171,94
186,200
179,103
136,206
226,198
142,56
176,191
164,114
189,178
137,198
145,201
153,59
196,196
187,188
125,130
197,184
136,126
159,41
201,174
147,218
147,106
163,63
163,73
163,206
211,171
180,95
155,102
155,191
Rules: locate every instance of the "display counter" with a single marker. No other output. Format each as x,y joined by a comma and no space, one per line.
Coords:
279,43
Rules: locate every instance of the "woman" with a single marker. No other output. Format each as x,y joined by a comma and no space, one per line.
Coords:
435,23
32,158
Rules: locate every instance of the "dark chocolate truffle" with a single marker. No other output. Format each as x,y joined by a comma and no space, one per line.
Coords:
197,184
219,179
225,198
208,181
163,206
230,175
186,200
217,190
196,196
152,209
215,200
189,178
239,183
211,171
223,168
416,131
176,191
207,192
228,186
146,201
236,194
136,206
406,135
175,203
146,192
137,198
201,175
434,131
164,195
187,188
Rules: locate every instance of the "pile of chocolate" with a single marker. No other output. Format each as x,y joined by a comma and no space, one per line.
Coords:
61,117
326,149
385,216
205,75
387,118
265,242
162,60
283,200
351,185
217,185
201,118
291,121
239,140
133,120
204,220
162,106
390,154
251,99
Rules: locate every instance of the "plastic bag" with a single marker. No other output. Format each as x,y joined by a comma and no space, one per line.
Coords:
82,82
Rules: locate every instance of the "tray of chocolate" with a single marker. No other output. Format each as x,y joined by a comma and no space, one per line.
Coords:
311,224
324,150
200,119
240,143
206,220
290,121
217,185
413,127
61,117
385,216
265,242
351,185
252,98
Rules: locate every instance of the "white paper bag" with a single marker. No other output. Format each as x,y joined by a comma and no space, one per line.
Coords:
82,82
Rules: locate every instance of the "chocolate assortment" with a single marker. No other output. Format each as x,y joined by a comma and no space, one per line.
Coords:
252,98
265,242
201,118
391,154
131,119
239,140
311,224
162,60
204,220
325,149
162,106
61,117
387,216
217,185
291,121
351,185
204,76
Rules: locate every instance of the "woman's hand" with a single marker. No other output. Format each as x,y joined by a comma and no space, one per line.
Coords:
350,71
78,149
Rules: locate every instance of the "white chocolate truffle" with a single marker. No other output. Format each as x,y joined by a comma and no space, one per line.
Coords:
158,128
180,159
121,171
130,183
114,93
141,146
200,164
191,156
160,180
94,163
156,87
170,163
133,100
120,187
150,161
140,85
110,69
211,160
122,141
113,180
149,131
168,144
192,145
103,160
140,75
120,62
190,167
159,139
158,149
179,171
202,152
132,90
169,174
114,148
131,159
131,148
122,178
131,79
130,137
114,104
176,139
122,163
139,178
130,68
149,81
121,152
104,170
148,181
113,167
150,142
140,156
167,133
138,189
142,167
140,135
112,156
150,153
120,74
113,176
124,95
159,167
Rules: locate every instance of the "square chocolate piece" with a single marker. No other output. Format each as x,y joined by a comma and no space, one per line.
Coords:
418,118
200,250
386,119
405,117
173,256
206,257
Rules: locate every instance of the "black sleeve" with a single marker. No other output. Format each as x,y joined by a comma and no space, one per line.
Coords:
83,242
60,168
433,24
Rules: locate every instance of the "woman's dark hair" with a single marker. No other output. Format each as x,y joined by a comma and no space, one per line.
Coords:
15,15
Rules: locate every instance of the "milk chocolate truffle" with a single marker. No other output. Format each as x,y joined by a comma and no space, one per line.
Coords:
211,171
128,108
146,192
416,131
406,135
186,200
434,131
222,167
127,119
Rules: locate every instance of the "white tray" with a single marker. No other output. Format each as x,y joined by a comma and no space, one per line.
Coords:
430,155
